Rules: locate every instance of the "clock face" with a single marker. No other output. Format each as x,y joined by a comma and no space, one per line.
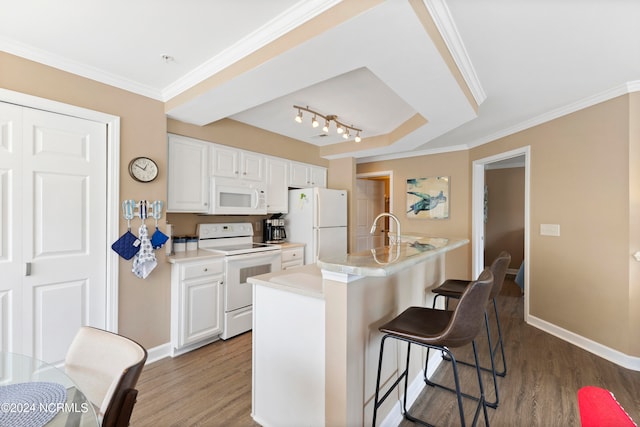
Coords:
143,169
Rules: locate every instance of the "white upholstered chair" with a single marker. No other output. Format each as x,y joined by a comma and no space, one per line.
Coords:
106,367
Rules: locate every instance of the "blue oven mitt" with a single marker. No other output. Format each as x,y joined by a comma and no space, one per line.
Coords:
127,245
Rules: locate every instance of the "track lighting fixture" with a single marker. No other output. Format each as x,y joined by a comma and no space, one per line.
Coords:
345,130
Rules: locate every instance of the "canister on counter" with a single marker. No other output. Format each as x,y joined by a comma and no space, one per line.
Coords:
179,244
192,243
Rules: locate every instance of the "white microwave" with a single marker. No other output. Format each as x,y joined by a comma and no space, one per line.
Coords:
231,196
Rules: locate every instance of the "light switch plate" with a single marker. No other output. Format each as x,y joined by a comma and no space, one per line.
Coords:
549,229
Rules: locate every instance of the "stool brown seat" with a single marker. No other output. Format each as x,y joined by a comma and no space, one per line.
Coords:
454,288
439,329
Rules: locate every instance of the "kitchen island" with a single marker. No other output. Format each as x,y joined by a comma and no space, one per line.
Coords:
316,338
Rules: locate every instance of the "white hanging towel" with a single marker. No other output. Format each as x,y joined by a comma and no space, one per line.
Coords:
145,260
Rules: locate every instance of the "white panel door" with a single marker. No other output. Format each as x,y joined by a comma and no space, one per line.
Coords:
61,249
11,268
369,203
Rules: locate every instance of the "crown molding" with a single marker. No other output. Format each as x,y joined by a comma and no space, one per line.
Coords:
623,89
406,154
447,28
295,16
33,54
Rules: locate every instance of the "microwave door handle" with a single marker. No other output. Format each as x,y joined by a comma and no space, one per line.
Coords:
257,198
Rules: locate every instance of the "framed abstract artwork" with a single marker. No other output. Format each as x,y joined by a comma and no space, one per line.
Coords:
428,197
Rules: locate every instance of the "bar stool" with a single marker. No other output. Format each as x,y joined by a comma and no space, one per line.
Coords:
454,288
439,329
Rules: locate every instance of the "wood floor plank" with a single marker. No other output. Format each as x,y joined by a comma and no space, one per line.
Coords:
211,386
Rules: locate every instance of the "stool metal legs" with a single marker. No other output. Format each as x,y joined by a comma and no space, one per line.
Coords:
405,374
492,353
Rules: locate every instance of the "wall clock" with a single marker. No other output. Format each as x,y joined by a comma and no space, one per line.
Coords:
143,169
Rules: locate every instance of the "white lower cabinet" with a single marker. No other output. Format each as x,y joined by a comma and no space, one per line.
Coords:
292,257
196,303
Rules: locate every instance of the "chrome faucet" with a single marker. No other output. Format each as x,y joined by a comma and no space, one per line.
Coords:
392,240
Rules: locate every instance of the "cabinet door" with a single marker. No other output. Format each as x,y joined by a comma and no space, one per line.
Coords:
318,176
188,177
225,162
252,166
277,185
201,309
299,175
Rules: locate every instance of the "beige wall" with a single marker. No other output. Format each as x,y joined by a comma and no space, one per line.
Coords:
585,176
634,222
454,165
236,134
504,229
580,179
143,304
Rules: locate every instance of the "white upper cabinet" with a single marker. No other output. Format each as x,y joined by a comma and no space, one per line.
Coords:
188,175
234,163
277,174
303,175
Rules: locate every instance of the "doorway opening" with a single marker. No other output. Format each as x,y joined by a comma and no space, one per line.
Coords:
374,195
521,158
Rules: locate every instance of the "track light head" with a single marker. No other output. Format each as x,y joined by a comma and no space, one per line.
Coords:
343,129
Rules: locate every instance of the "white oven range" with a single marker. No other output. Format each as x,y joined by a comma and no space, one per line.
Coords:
243,259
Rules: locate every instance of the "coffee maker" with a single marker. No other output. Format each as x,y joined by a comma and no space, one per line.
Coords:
273,230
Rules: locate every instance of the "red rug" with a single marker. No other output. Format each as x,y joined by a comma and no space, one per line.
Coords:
599,408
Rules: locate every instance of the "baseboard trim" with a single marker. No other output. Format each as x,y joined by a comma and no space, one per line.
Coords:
591,346
156,353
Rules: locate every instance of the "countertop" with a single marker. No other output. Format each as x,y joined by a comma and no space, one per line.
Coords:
287,245
188,256
305,280
387,260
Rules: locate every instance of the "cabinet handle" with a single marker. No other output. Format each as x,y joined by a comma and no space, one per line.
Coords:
27,269
206,269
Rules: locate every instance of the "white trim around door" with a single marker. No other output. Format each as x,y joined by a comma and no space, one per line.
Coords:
113,182
477,216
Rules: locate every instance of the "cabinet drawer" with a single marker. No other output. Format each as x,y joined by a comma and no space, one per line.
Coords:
292,254
203,268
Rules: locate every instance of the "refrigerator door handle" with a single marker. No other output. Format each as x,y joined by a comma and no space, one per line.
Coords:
317,212
317,244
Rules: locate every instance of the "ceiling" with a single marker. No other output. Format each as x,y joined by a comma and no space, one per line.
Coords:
377,65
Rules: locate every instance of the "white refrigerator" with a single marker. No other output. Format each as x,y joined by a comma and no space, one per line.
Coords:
317,217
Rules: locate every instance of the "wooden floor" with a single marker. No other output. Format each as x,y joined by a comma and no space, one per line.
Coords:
212,386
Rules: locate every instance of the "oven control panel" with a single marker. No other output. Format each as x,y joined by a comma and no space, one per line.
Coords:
234,229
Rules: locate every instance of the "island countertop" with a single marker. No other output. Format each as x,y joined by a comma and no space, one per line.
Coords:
328,316
387,260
